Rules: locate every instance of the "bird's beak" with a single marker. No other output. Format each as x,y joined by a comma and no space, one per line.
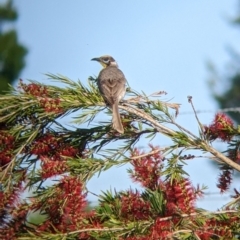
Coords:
95,59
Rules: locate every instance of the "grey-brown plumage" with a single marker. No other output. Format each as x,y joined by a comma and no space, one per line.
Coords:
111,83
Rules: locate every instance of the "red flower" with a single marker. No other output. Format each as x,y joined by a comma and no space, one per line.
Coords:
12,211
66,207
217,227
222,127
45,144
146,168
52,151
51,104
46,101
161,229
52,168
33,89
180,196
224,180
133,207
7,142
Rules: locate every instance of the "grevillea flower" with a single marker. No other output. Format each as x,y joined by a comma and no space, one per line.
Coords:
218,227
221,127
52,168
6,147
12,211
161,229
66,207
46,101
51,104
45,144
33,89
225,179
133,207
16,224
180,197
52,150
146,168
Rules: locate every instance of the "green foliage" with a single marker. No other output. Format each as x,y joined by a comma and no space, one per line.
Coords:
35,146
225,87
230,98
7,12
12,53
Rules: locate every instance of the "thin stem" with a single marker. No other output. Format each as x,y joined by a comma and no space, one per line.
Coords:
195,113
138,112
184,129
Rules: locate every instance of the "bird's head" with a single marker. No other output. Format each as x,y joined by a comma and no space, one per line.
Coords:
106,61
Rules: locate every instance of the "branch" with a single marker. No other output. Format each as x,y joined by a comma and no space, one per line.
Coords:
148,154
206,213
221,156
165,130
117,229
170,133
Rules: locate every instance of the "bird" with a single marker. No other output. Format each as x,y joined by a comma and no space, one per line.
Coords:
112,86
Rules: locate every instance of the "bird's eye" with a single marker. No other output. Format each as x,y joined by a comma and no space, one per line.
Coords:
105,59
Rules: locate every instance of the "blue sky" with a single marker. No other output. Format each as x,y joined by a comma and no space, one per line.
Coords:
159,45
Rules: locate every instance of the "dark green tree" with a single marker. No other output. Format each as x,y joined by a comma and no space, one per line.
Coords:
12,53
225,87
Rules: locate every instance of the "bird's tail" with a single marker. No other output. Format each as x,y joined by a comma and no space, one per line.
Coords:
116,120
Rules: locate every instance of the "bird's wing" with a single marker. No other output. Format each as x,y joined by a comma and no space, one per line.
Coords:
111,83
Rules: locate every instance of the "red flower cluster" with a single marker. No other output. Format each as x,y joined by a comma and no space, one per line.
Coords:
225,179
161,229
45,145
33,89
6,147
52,151
12,212
41,92
52,168
147,168
133,207
217,228
51,104
66,208
180,196
18,218
221,127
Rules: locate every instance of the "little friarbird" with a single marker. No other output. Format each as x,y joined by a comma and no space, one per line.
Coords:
111,83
